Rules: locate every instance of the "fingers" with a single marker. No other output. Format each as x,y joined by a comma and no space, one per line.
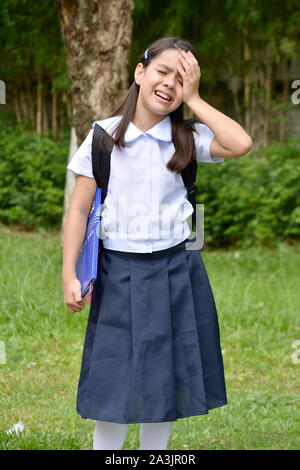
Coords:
76,304
181,69
182,62
188,61
72,295
78,298
76,307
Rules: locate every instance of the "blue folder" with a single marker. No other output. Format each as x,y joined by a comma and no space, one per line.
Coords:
87,262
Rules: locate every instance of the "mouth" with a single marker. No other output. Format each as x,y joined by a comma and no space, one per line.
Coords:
163,98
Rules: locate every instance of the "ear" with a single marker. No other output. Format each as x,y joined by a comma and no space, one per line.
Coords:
138,73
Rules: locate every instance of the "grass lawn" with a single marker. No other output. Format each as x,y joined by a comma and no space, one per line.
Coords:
258,300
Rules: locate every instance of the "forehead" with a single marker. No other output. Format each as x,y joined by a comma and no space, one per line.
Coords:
168,59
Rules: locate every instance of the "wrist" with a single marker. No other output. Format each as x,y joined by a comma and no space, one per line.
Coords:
68,275
193,101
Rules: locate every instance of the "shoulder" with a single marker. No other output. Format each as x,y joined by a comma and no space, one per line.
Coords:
203,138
202,133
108,124
201,129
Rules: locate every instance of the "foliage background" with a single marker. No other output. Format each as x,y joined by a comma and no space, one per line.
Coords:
253,199
249,58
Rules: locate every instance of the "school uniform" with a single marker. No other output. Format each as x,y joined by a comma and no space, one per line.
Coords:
152,348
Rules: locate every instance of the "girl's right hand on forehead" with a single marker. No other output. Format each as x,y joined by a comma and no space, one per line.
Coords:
72,295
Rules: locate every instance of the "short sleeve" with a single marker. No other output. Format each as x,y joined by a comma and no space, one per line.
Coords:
203,138
81,162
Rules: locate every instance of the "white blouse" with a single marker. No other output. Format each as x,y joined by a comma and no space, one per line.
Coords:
146,207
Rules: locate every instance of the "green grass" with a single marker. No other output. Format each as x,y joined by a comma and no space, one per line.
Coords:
258,300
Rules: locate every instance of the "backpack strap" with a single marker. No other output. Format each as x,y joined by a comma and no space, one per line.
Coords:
189,174
102,145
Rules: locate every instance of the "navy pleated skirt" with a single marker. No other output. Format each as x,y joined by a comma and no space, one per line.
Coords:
152,348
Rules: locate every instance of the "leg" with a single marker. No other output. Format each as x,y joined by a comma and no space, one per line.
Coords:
108,436
155,435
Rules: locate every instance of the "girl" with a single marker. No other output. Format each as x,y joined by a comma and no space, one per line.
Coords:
152,351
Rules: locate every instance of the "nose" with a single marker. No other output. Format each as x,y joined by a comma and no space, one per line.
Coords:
169,82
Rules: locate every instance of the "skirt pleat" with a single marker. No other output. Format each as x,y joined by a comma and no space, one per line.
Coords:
152,348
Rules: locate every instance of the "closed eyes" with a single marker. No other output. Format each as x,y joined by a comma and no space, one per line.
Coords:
160,71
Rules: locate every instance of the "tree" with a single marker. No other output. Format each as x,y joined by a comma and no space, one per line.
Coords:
97,39
33,64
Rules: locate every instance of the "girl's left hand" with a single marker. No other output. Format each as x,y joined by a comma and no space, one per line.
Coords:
189,69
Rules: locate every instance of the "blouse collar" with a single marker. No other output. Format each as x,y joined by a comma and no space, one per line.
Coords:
161,131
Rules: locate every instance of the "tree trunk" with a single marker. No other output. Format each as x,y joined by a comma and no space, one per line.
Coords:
39,101
247,79
285,98
267,100
234,84
17,106
54,112
30,100
68,105
45,123
97,38
257,102
23,104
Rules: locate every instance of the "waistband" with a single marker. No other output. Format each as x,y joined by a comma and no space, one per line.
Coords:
155,254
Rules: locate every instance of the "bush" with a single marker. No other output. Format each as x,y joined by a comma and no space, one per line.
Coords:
254,198
251,199
33,170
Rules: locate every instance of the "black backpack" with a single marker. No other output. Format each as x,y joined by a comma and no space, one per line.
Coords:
102,145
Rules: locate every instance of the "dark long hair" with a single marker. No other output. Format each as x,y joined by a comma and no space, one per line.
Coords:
182,136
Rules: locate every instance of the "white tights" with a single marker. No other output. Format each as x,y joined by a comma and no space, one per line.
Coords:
108,435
